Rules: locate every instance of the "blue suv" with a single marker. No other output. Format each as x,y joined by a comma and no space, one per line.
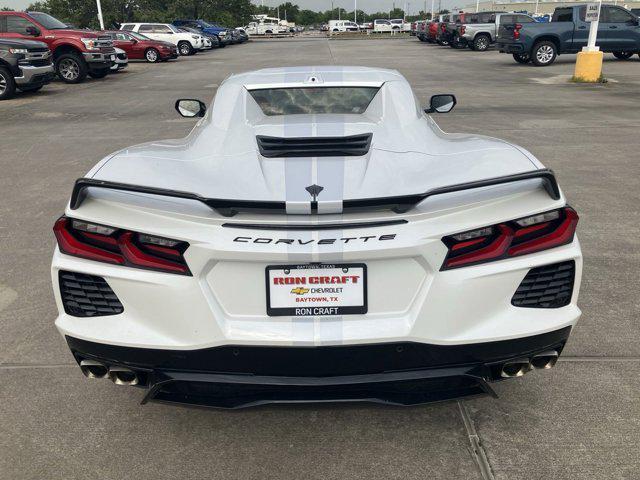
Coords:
223,34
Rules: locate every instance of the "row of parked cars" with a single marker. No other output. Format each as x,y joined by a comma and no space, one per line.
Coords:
36,47
529,40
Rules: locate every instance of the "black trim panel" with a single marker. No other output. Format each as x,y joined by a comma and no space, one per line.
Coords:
318,361
309,226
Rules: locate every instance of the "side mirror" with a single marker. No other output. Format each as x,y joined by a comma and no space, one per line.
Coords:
133,41
190,108
33,31
441,104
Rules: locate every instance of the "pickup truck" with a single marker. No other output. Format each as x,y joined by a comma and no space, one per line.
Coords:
76,53
25,65
480,30
541,43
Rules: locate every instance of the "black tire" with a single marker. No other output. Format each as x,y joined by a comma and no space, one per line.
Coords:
623,55
268,32
443,43
185,48
7,84
523,58
30,89
152,55
71,68
544,53
99,73
481,43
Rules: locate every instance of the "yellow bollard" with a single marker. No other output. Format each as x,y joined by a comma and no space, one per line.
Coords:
589,67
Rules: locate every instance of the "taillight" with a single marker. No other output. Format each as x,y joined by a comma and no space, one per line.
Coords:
516,31
120,247
510,239
463,29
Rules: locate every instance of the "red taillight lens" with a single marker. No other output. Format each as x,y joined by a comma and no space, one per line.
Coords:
510,239
516,31
463,29
121,247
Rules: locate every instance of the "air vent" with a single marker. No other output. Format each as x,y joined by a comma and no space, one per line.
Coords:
352,146
87,295
550,286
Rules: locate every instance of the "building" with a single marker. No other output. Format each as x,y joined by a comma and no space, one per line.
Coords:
542,6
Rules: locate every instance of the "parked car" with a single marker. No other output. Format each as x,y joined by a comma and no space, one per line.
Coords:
480,30
384,25
400,25
437,285
541,43
223,34
244,36
76,53
187,43
25,65
442,36
421,30
449,33
343,26
122,61
138,46
213,40
433,28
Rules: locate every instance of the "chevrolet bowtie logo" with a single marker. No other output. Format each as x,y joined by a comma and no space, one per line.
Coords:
314,190
299,290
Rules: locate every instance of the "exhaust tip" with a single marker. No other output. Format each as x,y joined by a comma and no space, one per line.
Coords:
544,361
515,368
93,369
123,376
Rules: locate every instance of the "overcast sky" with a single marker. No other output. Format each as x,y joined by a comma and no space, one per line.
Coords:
366,5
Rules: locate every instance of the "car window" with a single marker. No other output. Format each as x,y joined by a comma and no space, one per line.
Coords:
146,28
162,29
524,19
615,15
507,19
312,101
123,37
563,15
16,24
127,26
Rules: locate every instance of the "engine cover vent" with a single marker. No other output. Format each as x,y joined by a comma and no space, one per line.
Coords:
351,146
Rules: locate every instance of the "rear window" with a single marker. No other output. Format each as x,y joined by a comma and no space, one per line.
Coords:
306,100
563,15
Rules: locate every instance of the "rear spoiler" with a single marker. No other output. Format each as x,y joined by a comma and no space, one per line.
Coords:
399,204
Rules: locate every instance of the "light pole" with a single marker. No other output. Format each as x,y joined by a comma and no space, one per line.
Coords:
100,15
433,2
355,11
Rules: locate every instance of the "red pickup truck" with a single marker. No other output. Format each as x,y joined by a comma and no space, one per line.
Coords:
76,53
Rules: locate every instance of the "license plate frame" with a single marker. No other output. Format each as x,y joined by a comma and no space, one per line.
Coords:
316,310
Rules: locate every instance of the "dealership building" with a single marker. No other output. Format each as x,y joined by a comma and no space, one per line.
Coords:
542,6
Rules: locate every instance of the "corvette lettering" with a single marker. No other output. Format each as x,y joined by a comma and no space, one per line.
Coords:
322,241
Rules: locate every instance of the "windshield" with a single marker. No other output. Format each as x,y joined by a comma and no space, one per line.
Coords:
47,21
175,29
306,100
138,36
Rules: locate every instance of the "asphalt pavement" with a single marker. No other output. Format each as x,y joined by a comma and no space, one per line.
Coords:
580,420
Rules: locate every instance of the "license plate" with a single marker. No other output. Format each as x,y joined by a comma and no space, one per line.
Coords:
113,57
316,289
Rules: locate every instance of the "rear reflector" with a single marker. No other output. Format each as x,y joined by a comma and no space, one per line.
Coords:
121,247
510,239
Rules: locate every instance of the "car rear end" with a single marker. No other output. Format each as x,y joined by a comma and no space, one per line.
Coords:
431,304
509,38
319,263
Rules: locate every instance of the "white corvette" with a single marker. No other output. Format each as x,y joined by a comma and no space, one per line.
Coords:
316,237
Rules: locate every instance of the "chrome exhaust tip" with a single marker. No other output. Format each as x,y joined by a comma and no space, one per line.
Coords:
544,361
515,368
93,369
123,376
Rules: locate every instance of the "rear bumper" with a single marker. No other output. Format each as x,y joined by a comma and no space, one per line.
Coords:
510,47
400,373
